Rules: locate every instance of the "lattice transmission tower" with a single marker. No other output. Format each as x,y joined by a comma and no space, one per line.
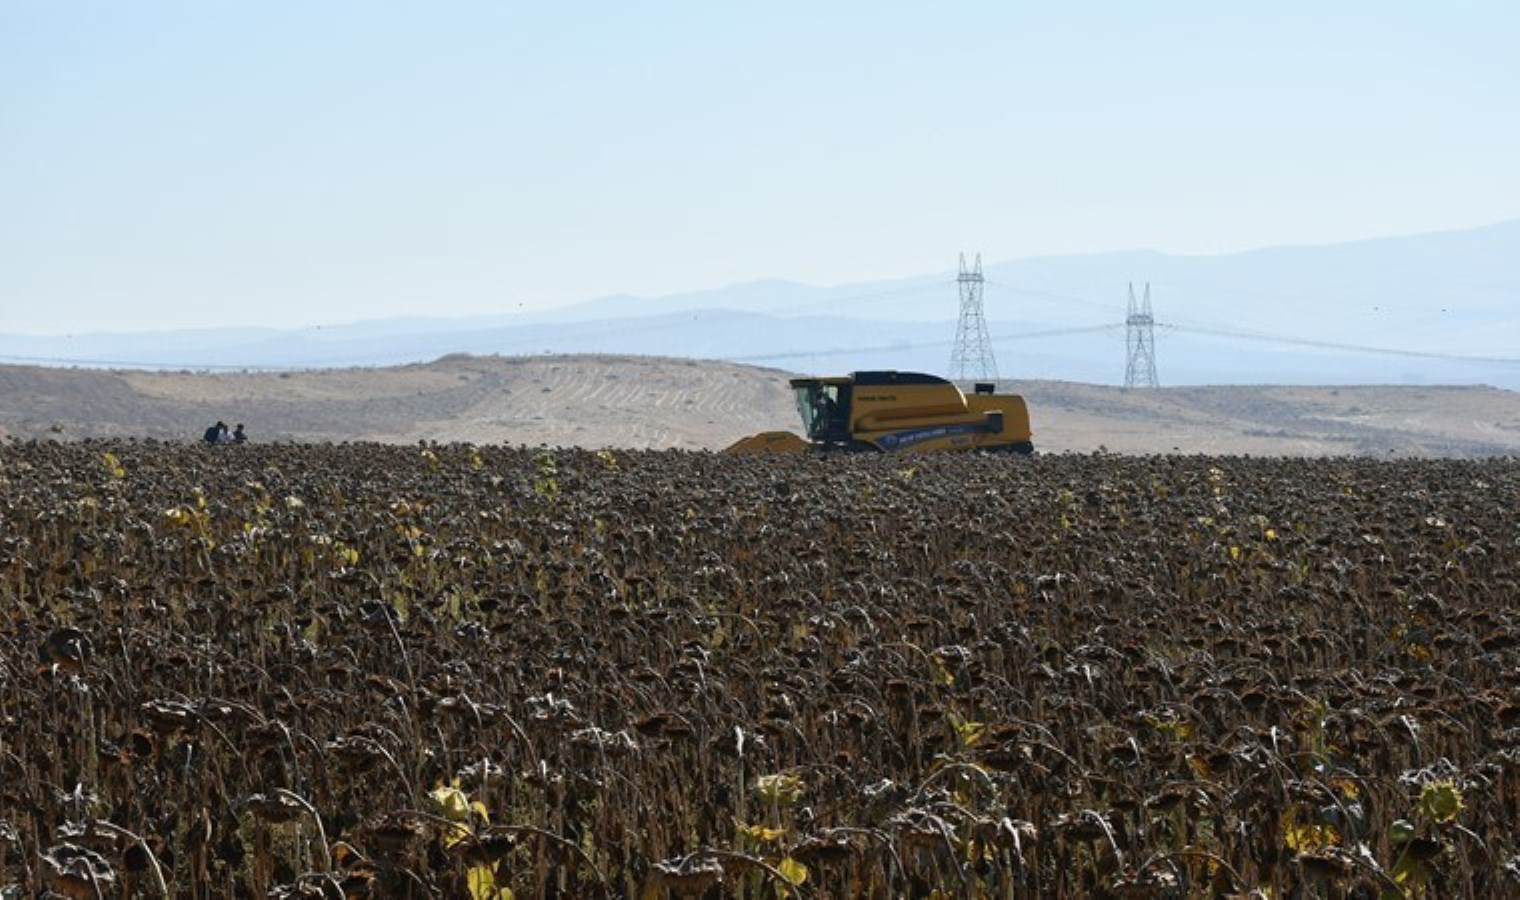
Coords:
971,358
1140,341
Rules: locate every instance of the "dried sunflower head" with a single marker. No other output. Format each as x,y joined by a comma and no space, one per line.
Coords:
1441,801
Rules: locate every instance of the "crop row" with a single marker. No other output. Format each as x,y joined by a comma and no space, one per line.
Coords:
349,671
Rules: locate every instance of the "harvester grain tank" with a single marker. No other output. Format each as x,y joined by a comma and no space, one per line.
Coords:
892,411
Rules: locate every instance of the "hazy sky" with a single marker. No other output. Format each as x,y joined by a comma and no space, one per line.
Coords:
216,163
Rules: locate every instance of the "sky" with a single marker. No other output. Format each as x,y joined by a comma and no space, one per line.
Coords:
199,164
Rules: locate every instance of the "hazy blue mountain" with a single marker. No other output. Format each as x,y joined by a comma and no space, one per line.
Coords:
1220,320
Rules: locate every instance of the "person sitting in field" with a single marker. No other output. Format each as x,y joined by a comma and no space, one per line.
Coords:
238,435
216,434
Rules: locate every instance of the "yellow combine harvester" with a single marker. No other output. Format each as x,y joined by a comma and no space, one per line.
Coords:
869,411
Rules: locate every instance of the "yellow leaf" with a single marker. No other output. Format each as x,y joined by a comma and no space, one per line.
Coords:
1302,834
781,789
969,732
793,871
760,832
1234,552
480,810
453,804
979,851
1168,724
113,465
482,884
940,675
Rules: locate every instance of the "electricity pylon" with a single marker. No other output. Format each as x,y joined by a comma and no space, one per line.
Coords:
971,359
1140,341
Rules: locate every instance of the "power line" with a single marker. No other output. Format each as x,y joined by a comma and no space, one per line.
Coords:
918,345
696,318
936,285
1287,295
1264,337
1063,299
1114,329
662,322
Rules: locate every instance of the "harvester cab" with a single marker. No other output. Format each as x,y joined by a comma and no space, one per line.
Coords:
909,411
825,408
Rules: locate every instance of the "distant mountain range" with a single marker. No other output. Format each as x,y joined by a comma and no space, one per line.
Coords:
1431,308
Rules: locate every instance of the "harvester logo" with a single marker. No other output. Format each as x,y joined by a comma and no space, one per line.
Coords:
907,438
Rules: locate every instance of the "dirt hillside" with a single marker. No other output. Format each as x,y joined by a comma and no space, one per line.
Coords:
616,401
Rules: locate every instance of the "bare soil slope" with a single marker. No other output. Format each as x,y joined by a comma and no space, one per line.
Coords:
1277,420
650,402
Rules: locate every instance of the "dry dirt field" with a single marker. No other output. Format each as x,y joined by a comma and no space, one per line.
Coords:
645,402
